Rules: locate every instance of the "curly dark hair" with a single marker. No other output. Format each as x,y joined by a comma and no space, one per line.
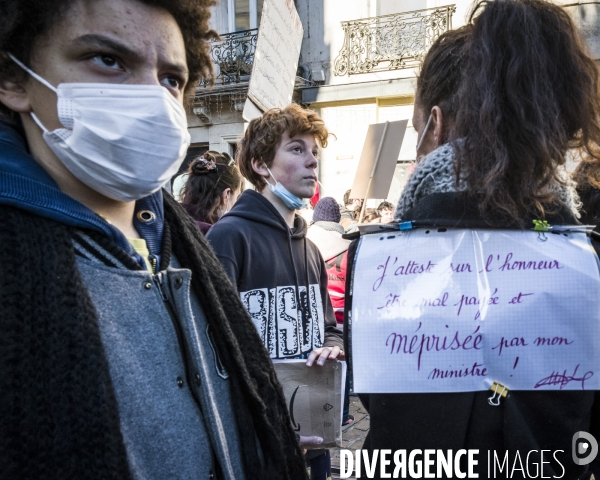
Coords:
440,74
385,206
529,92
347,199
23,21
370,215
208,177
264,134
588,189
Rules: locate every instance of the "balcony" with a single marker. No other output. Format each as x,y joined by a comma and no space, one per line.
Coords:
233,56
390,42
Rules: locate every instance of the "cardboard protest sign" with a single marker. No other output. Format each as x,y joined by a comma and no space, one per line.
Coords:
314,396
276,58
378,160
457,310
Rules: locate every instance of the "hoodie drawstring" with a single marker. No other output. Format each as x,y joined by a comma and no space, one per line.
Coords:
300,306
306,280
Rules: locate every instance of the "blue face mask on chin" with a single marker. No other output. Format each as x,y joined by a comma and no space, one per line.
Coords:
291,201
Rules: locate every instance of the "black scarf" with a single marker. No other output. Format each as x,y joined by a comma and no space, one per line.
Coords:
58,412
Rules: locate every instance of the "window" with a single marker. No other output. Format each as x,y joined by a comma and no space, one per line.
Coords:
389,7
244,14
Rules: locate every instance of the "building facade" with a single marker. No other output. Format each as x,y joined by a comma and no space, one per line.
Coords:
358,66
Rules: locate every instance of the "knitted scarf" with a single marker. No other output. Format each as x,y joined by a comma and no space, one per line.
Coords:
58,411
435,173
330,226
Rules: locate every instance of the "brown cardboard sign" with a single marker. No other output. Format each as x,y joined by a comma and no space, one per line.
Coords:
379,157
314,397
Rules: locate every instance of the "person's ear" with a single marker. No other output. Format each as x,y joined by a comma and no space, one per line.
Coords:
224,195
259,167
14,96
437,127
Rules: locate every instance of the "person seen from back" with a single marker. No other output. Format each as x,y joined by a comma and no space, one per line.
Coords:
498,104
213,185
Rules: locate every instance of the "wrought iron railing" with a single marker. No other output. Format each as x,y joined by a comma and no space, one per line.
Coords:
233,56
390,42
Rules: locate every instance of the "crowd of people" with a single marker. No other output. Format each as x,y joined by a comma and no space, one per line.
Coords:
137,332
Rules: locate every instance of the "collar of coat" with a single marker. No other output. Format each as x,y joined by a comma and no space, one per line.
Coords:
55,385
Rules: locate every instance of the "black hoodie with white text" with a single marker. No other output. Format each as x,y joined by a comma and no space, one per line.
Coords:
273,267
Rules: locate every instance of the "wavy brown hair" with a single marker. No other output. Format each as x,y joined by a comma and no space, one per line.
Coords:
441,72
263,136
588,190
208,177
385,206
23,21
529,92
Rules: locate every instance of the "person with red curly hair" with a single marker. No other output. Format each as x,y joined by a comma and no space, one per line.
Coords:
279,273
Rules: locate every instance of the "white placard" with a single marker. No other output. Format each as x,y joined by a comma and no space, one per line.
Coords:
276,58
457,310
382,146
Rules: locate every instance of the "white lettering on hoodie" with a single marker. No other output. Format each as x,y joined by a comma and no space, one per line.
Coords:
284,330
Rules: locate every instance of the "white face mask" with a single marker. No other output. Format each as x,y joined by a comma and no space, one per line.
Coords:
123,141
291,201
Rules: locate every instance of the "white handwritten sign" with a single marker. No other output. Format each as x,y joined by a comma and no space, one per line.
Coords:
457,310
277,53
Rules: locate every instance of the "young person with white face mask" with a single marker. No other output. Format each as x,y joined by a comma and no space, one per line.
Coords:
120,331
261,242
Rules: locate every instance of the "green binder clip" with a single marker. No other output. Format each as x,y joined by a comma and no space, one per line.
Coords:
541,225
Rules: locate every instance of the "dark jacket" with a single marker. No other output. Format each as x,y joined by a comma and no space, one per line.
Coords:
202,225
273,267
524,420
93,385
